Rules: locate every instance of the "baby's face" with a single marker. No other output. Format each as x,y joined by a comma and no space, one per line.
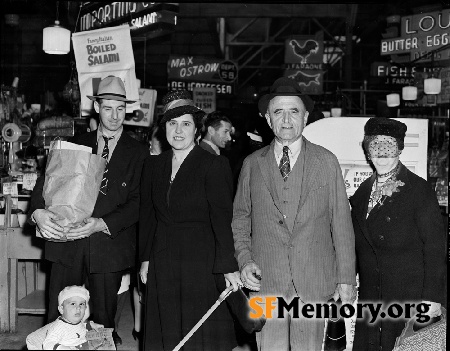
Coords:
73,309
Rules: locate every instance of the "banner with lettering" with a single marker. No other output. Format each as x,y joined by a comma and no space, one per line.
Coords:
100,53
189,72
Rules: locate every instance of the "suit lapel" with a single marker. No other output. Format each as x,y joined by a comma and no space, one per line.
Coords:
266,161
117,163
360,206
310,169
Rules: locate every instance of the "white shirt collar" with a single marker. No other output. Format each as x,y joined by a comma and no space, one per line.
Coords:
294,148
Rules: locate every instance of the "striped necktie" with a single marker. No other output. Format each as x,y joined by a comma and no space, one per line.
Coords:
285,166
105,155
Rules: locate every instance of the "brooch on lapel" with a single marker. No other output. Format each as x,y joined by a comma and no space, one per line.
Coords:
382,192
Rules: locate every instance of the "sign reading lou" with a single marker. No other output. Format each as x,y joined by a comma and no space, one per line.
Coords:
420,35
194,69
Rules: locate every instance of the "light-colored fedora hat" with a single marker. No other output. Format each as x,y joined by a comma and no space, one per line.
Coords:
111,88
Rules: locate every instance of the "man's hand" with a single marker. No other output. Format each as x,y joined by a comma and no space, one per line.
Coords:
45,221
434,309
251,276
346,292
144,271
233,279
91,226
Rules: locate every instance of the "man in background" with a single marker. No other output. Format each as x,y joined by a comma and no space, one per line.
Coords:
218,129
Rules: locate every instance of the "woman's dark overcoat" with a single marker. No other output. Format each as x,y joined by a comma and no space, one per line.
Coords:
185,233
400,250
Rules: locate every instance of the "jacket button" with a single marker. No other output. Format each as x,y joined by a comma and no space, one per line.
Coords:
381,237
281,222
388,219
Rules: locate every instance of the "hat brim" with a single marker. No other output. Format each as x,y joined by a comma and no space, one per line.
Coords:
180,111
110,97
263,102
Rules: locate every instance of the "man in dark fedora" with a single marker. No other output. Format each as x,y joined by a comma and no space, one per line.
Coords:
100,251
291,223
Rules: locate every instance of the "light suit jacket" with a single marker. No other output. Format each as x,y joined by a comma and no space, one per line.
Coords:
319,252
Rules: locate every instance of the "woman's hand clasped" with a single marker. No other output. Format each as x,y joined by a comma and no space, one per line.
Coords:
233,279
144,271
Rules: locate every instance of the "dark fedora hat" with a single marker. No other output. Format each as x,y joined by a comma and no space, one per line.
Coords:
111,88
177,103
284,86
385,126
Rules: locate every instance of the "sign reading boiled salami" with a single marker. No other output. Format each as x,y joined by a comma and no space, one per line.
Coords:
100,53
187,72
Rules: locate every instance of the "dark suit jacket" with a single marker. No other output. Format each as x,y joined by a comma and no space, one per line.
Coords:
207,147
319,252
119,208
401,250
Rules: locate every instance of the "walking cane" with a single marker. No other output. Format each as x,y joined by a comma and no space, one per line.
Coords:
221,298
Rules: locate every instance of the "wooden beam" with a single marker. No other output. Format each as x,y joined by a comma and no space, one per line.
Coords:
262,10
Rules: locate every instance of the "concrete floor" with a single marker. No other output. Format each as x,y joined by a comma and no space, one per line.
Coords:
29,323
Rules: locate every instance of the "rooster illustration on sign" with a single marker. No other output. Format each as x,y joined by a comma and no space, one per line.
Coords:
305,50
305,79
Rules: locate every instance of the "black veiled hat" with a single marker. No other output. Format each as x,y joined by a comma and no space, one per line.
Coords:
385,126
177,103
284,86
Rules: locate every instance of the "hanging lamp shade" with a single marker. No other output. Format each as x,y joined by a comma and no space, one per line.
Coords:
393,100
409,93
432,85
56,40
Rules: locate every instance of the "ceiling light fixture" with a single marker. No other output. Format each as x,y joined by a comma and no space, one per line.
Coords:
56,39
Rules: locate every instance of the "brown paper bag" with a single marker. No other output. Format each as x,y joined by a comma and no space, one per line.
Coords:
72,183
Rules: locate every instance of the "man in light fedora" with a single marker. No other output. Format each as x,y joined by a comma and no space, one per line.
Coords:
292,228
105,246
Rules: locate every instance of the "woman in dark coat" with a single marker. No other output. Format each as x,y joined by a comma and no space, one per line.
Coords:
400,237
185,234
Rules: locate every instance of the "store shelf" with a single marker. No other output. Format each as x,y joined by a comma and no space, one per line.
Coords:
33,303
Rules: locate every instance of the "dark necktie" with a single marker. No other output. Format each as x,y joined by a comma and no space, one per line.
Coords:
105,155
285,166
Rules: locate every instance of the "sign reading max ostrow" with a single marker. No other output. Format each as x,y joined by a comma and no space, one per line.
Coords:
100,53
188,72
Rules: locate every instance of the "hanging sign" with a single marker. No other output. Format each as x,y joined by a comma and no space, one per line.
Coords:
205,98
100,53
149,19
420,35
144,115
187,72
303,59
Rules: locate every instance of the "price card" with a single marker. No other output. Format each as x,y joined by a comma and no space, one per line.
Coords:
10,188
29,181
